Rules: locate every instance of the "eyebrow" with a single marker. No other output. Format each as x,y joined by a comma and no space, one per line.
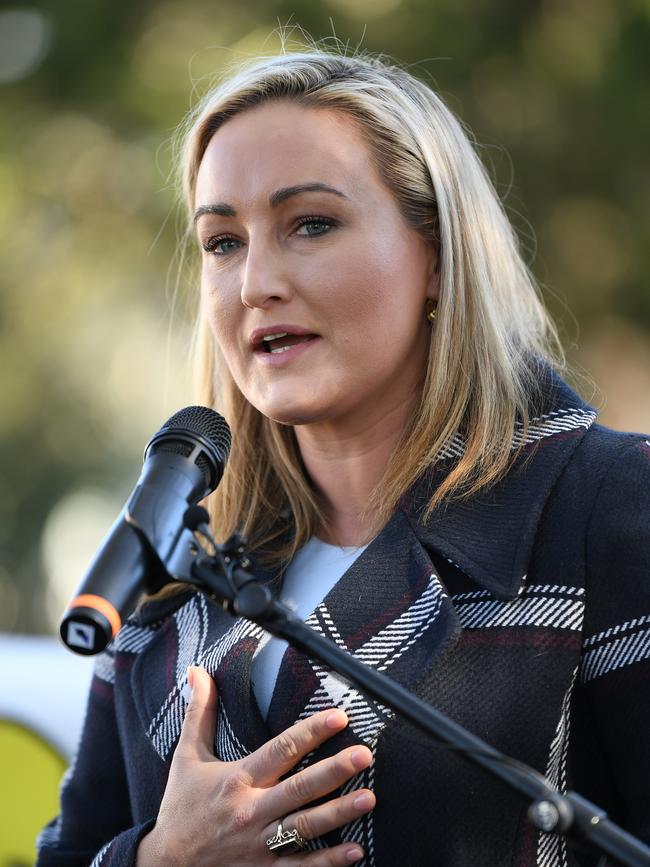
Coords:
221,209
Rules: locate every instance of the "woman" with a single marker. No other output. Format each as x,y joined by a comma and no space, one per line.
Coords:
414,476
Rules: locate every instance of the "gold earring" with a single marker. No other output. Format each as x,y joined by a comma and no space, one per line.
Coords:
431,310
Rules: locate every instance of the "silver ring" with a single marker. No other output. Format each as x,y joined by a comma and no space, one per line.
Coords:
286,842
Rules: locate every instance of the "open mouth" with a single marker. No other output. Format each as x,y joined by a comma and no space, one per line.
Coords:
282,342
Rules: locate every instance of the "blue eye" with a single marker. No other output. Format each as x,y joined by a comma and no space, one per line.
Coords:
315,226
221,245
307,227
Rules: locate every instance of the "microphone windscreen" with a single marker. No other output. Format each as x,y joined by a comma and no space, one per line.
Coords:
185,430
205,421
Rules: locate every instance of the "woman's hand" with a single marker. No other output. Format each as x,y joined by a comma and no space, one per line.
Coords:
220,814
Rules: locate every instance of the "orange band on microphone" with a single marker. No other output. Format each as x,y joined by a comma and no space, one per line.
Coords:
89,600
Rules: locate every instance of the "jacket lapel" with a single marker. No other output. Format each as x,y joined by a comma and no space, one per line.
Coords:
391,610
490,537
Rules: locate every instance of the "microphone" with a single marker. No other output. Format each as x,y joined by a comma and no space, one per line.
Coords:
183,463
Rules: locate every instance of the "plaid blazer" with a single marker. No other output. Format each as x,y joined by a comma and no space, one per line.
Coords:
523,614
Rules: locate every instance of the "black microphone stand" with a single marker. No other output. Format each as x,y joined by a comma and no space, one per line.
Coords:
224,577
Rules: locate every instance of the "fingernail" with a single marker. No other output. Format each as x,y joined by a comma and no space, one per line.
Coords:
354,854
190,677
336,719
363,802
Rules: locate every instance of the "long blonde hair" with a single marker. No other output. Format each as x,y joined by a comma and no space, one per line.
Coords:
480,387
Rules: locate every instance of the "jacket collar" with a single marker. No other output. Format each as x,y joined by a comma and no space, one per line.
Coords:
490,536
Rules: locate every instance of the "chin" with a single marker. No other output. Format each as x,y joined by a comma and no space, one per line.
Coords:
294,418
293,413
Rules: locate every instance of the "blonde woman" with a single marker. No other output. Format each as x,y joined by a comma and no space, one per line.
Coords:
413,476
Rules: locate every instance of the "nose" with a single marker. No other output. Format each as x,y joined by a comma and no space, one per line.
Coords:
265,280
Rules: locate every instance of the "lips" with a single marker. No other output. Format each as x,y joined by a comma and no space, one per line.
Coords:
279,338
283,342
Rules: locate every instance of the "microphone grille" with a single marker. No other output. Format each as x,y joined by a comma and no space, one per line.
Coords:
205,421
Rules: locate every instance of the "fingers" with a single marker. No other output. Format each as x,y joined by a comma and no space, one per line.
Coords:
282,753
314,782
197,733
337,856
320,820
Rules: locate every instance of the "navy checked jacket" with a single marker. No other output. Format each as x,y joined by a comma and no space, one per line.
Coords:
523,614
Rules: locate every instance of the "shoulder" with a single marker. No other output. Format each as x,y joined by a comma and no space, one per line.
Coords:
154,610
605,468
609,477
601,443
621,462
152,616
617,543
139,631
615,465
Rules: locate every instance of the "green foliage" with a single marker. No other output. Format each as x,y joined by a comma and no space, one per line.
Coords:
555,91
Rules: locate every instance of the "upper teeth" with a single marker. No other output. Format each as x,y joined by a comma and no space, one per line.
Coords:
275,336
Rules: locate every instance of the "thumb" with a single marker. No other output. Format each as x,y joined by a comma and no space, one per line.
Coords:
197,735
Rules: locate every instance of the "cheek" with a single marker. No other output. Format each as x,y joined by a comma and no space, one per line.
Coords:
224,329
356,283
388,291
221,309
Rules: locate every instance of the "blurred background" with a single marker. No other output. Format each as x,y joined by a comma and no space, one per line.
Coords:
93,349
93,358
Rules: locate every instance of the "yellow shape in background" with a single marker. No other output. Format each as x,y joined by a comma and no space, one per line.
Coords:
30,773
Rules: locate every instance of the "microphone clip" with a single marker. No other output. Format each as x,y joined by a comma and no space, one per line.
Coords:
225,573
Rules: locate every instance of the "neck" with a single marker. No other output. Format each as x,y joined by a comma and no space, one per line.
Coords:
346,462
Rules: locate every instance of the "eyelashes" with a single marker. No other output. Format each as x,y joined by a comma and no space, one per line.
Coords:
316,221
212,245
222,245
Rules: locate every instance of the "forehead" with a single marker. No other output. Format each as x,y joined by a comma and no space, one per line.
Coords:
279,144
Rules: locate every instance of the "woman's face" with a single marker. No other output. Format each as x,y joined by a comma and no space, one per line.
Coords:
313,283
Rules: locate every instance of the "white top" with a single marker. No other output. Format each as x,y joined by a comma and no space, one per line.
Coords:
312,573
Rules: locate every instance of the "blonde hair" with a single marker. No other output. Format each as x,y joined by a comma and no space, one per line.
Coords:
491,329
